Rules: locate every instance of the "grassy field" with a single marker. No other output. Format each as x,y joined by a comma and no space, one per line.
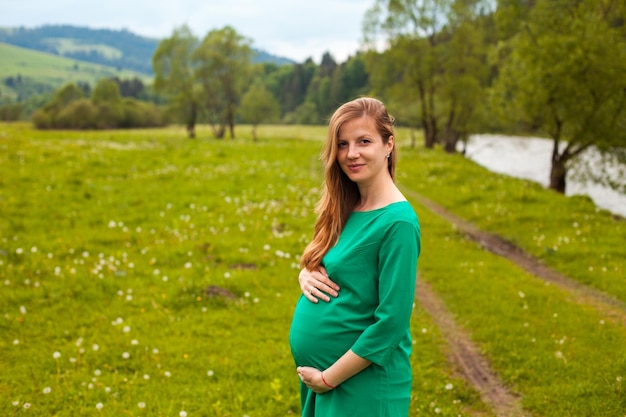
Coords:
112,245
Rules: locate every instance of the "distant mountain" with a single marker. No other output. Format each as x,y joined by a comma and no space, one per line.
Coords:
120,49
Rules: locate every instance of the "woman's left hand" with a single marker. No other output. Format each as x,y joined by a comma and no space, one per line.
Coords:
312,378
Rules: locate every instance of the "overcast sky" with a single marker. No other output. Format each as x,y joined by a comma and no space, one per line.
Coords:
295,29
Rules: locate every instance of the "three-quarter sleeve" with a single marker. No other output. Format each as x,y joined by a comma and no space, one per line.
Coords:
397,268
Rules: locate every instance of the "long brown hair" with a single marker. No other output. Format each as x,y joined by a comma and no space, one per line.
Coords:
341,194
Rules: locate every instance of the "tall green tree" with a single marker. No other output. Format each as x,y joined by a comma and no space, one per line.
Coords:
564,71
258,105
174,75
407,70
464,72
224,69
436,58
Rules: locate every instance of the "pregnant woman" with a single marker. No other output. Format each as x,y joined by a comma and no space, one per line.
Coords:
350,334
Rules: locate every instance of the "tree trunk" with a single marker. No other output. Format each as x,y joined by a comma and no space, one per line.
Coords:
451,135
558,173
191,121
231,122
254,138
220,131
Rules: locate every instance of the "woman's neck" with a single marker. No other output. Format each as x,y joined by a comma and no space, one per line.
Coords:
377,195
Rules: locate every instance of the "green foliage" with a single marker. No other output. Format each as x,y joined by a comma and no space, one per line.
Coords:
565,74
223,69
172,64
105,110
258,106
11,112
436,62
106,91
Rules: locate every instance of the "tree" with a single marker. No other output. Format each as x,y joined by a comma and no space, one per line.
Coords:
224,70
174,75
437,57
108,101
565,73
464,73
408,69
258,105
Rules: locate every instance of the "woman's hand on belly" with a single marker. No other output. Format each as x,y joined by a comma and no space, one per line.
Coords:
312,378
316,285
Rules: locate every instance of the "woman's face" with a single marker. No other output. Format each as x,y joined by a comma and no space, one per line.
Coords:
361,152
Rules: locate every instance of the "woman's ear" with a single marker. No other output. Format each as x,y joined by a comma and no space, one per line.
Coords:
390,144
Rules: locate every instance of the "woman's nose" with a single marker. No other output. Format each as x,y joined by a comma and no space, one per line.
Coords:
353,152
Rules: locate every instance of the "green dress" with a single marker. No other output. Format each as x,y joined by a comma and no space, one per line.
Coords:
374,262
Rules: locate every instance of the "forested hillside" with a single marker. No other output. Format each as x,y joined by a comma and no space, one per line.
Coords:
118,48
121,49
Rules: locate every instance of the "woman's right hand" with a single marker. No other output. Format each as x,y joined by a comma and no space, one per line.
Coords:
316,285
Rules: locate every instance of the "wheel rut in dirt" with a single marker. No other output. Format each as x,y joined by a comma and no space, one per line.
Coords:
606,304
465,356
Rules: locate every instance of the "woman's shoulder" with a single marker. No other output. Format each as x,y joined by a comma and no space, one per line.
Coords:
398,212
402,209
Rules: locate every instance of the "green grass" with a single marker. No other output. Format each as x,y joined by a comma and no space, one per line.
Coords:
109,239
112,229
568,233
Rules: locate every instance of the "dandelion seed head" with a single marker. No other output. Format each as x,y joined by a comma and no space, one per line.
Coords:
126,329
95,347
99,406
183,414
125,355
210,372
141,404
97,372
449,386
47,390
16,342
56,355
27,405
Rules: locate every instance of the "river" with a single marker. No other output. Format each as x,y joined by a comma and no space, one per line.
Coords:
529,158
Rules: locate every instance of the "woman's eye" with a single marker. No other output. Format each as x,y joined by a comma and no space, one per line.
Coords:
341,144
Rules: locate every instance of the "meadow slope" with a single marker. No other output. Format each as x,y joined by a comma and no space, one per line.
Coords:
146,274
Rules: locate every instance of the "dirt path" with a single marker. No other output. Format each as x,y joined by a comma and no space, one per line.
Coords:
463,353
613,308
465,356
